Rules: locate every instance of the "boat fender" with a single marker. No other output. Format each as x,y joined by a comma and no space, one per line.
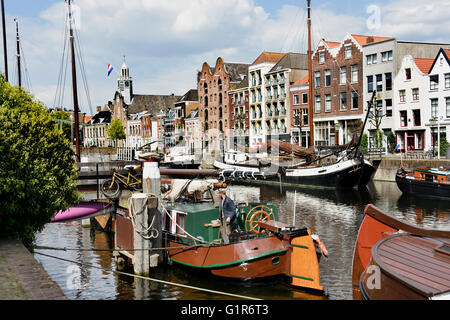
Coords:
320,244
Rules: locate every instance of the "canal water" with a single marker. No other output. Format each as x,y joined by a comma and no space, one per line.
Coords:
334,215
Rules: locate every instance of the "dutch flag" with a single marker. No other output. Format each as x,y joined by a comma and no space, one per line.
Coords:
110,69
397,148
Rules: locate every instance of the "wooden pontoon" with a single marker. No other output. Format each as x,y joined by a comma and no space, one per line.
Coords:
395,260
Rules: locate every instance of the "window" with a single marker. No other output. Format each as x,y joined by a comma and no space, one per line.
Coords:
379,82
304,98
388,77
322,57
408,73
296,99
434,82
371,58
327,78
388,103
328,103
379,110
317,104
403,119
386,56
348,52
416,115
343,75
434,108
317,79
343,101
415,94
354,100
402,94
305,118
447,80
447,107
370,84
355,73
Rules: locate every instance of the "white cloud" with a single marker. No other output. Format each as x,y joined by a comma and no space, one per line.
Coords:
166,42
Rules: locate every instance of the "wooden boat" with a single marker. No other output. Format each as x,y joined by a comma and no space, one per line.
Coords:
424,182
395,260
259,247
84,210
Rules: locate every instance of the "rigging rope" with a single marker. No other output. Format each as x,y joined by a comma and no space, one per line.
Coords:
149,279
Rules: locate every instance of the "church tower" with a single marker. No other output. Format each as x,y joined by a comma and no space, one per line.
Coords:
125,84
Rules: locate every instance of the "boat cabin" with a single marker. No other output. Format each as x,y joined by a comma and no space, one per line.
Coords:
432,175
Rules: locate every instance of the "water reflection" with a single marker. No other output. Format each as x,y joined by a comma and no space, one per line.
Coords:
334,215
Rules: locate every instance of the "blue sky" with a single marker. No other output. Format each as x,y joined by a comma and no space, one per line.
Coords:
166,42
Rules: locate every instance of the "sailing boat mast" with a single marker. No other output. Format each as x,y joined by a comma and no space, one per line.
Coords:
19,69
5,51
74,87
310,100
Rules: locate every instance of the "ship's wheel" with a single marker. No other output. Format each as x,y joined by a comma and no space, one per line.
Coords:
258,214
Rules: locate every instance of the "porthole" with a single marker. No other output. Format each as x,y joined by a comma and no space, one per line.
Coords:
276,260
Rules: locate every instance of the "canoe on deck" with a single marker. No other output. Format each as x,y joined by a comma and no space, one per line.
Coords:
83,210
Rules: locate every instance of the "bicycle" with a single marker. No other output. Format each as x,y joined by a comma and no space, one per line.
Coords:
111,187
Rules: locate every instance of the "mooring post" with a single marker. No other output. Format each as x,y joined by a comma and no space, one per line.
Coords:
151,185
139,213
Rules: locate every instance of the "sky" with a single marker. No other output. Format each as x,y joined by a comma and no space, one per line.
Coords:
165,42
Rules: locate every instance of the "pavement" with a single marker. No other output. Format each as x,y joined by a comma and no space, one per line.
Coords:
22,277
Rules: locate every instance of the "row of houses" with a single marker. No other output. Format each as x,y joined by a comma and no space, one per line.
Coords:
250,103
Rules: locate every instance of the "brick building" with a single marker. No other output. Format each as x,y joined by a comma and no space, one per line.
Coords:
238,100
338,89
213,84
299,115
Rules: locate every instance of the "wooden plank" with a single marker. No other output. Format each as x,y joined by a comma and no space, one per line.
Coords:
413,279
436,277
421,254
438,270
419,258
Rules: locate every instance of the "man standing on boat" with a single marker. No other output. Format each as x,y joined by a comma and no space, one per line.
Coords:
227,211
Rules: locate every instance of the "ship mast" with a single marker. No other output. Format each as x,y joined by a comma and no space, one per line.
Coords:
74,87
310,100
5,51
19,69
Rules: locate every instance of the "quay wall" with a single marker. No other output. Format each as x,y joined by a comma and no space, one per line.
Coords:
389,166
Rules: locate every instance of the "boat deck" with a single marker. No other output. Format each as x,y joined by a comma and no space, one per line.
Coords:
420,264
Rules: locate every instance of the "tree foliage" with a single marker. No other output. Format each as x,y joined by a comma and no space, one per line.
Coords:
37,170
116,131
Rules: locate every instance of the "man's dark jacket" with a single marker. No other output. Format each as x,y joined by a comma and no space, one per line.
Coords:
229,209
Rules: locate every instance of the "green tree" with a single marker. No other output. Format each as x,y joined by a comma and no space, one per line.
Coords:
392,142
37,169
364,142
116,131
63,120
443,147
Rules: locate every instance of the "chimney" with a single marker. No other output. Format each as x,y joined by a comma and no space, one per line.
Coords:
370,39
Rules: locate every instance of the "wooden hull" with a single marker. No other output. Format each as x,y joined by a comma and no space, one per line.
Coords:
407,267
255,259
344,175
377,227
422,188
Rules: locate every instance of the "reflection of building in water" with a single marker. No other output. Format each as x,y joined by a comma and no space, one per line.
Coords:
102,241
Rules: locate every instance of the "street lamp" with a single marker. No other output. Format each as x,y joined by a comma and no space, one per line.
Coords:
433,122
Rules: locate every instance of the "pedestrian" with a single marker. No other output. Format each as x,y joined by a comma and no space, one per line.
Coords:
227,211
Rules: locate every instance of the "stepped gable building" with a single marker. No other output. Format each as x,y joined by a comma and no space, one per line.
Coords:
338,88
213,84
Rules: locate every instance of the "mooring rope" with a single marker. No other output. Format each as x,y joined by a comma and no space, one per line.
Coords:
118,249
151,279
